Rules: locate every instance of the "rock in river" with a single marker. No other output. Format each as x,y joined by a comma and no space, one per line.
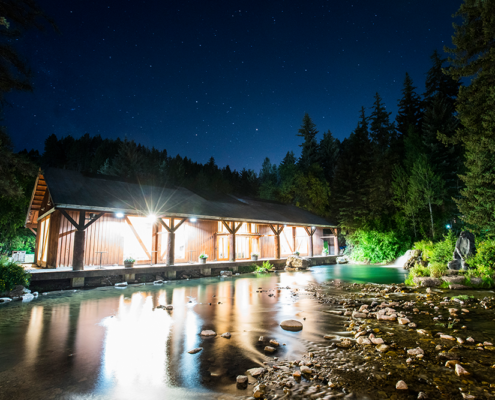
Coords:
196,350
460,371
401,385
226,335
270,349
291,325
306,370
255,372
208,333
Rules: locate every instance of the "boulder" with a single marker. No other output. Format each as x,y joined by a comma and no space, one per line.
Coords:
297,262
225,273
457,279
455,286
242,381
427,281
291,325
413,259
342,260
121,284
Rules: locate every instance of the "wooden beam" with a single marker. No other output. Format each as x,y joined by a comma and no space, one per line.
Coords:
234,228
174,228
69,218
32,230
227,227
162,222
294,240
170,249
137,237
93,221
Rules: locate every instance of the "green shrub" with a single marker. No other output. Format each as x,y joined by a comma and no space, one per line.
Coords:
12,274
443,251
426,248
243,269
418,271
437,269
484,260
376,247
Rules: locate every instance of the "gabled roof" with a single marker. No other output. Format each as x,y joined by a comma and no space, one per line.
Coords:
74,190
36,200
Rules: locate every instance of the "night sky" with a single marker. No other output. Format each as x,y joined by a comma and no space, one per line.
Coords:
228,79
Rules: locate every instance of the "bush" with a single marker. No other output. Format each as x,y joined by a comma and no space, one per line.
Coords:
484,260
247,268
437,269
11,275
443,251
418,271
426,248
376,247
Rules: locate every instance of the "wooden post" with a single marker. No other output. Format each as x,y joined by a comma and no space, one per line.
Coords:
155,243
310,232
52,250
170,248
277,231
79,243
79,237
232,253
294,241
170,258
336,242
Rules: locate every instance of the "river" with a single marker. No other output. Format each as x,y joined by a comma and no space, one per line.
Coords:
111,343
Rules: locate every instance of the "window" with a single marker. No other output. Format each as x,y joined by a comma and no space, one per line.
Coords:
43,239
137,238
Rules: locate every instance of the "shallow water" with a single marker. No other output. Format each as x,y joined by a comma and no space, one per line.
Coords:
116,344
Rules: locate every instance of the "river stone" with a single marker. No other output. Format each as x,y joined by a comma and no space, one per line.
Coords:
270,349
403,321
208,333
291,325
5,299
415,352
297,262
382,348
422,332
242,381
335,312
297,374
255,372
363,340
306,370
401,385
427,281
377,340
226,335
447,337
169,307
196,350
422,396
460,371
454,279
356,314
345,343
329,337
451,363
121,284
274,343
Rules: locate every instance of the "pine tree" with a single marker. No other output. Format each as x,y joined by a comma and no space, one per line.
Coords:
328,151
438,83
350,186
409,113
310,146
268,180
473,57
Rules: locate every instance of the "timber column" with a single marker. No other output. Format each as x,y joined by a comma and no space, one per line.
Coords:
170,259
80,237
336,242
277,231
232,229
310,232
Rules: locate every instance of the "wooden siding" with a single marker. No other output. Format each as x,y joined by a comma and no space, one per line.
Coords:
200,237
267,242
318,242
104,235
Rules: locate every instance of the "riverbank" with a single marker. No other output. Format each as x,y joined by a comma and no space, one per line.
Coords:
400,343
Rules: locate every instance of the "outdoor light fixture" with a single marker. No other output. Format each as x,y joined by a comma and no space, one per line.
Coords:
119,215
192,219
448,226
151,217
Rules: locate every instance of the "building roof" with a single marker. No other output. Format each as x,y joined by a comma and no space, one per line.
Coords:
74,190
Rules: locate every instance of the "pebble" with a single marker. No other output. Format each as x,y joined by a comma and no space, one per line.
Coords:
460,371
208,333
401,385
270,349
226,335
196,350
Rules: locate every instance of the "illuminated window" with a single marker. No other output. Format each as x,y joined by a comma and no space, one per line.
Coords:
43,239
137,238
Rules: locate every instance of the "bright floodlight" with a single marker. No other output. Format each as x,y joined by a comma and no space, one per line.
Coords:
151,217
448,226
192,219
119,215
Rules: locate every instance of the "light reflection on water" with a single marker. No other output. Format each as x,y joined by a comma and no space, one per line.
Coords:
116,344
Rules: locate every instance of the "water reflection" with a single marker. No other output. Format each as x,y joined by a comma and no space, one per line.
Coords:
116,344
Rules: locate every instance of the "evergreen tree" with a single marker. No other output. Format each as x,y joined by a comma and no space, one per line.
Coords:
384,150
328,151
438,83
409,113
268,180
310,146
128,162
473,57
350,186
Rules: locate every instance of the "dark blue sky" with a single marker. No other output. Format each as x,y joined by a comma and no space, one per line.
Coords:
228,79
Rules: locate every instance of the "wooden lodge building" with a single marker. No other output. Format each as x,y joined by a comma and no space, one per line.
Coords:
81,220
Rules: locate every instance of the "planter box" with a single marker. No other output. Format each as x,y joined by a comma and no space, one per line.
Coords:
202,260
254,258
128,265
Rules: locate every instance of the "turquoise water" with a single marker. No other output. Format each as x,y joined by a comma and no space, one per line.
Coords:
110,343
